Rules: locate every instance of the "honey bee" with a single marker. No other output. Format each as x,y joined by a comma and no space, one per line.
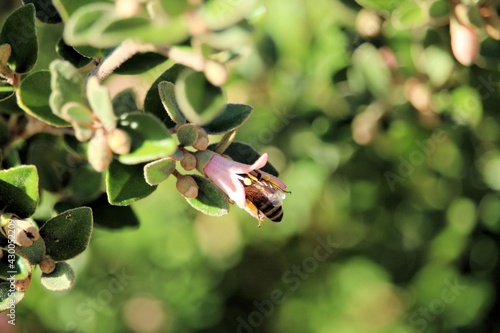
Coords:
263,195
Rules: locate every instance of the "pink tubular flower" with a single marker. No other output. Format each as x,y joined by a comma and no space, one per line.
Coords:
232,177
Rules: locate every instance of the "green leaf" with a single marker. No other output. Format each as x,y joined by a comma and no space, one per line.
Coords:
150,138
67,234
89,51
125,184
19,190
19,31
152,101
33,253
52,165
368,63
45,11
33,97
12,158
9,105
474,15
157,171
98,25
100,101
66,8
64,205
187,134
125,102
62,278
69,53
175,8
409,14
439,65
467,107
85,183
20,267
8,298
75,147
210,200
380,5
140,63
77,113
199,100
489,50
81,24
113,217
167,95
66,84
233,116
439,9
220,14
244,153
116,29
236,35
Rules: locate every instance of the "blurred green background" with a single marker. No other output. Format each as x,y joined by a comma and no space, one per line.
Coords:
390,150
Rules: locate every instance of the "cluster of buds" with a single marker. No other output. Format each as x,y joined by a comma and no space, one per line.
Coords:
104,143
189,135
19,232
465,24
23,232
98,127
253,190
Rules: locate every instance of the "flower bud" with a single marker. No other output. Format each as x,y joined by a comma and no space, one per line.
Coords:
216,73
5,52
188,161
127,8
464,42
201,142
99,153
365,125
21,232
196,24
418,94
119,141
177,155
27,233
187,186
23,284
187,134
47,265
368,23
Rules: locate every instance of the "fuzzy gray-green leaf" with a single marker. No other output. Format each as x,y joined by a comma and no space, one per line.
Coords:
210,200
62,278
67,234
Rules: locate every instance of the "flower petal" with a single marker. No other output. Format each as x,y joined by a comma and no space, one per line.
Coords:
236,167
228,183
261,161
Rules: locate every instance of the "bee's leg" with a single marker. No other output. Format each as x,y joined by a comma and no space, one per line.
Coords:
261,217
